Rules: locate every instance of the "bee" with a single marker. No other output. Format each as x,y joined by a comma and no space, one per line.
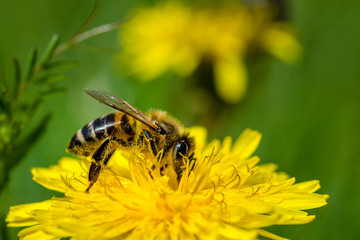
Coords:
129,128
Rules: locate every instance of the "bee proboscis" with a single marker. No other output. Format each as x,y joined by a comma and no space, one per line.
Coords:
130,128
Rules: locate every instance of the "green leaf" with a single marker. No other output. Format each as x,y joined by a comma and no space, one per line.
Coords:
2,91
54,42
31,64
90,19
5,84
60,65
17,71
50,78
2,104
6,92
26,143
53,91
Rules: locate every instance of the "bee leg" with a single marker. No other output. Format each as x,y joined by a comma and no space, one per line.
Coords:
94,172
149,137
192,162
192,159
101,157
151,141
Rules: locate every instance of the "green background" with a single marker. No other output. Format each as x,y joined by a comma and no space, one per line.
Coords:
309,114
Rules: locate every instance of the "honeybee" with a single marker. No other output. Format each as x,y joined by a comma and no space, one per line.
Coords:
130,128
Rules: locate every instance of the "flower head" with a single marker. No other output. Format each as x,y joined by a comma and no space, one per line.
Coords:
178,38
225,195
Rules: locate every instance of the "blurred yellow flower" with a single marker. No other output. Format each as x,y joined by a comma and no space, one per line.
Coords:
177,38
225,196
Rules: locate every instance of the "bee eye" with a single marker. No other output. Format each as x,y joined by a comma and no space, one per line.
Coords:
181,149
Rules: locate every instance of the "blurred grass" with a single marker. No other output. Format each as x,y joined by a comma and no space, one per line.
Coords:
308,114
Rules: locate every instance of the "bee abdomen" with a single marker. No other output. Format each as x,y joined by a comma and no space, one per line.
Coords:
89,138
105,126
92,134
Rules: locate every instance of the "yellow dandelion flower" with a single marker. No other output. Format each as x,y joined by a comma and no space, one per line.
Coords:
225,196
178,38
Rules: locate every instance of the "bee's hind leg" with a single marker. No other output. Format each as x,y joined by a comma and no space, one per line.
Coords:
94,172
100,157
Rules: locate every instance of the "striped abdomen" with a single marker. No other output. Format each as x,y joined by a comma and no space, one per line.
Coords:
88,139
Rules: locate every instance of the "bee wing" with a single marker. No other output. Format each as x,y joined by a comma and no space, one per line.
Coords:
121,105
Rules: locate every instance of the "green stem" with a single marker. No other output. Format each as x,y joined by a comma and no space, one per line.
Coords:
86,35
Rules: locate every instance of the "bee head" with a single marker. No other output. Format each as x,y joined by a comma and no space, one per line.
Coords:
183,148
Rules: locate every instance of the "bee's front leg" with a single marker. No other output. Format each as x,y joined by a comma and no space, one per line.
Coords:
100,157
149,137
